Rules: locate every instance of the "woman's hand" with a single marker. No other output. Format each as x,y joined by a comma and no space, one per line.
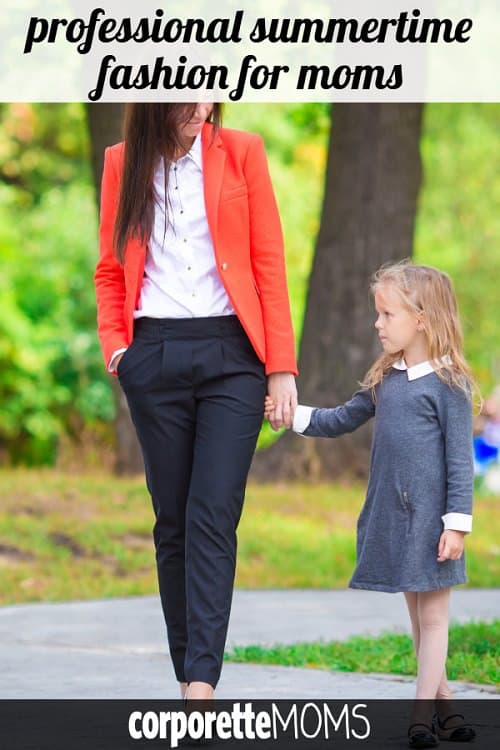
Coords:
451,545
282,392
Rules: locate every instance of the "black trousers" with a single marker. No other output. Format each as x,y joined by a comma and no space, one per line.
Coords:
195,389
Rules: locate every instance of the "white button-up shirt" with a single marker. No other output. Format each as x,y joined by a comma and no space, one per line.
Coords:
180,273
181,278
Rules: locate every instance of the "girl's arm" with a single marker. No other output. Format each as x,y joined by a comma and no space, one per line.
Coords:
337,421
455,418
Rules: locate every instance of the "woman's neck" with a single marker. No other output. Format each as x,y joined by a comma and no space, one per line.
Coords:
186,145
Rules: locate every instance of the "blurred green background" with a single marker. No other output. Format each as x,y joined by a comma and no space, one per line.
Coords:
85,533
53,386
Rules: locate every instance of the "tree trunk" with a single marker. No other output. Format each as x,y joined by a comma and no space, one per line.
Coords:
105,127
372,181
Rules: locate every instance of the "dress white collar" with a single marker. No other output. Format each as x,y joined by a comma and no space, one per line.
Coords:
421,369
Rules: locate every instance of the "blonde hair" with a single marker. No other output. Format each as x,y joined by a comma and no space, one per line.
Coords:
428,292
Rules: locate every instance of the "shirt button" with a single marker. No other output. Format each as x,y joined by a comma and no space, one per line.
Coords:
185,240
193,294
189,268
224,266
182,211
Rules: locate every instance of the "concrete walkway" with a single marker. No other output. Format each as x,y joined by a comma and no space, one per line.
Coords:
116,648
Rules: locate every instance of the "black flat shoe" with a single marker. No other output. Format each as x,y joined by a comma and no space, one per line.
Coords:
422,735
459,733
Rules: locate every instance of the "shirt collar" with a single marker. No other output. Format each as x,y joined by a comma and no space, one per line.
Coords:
422,368
194,153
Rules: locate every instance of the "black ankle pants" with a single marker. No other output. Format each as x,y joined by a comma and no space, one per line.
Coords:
195,389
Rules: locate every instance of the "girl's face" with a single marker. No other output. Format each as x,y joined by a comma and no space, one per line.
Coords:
399,328
189,130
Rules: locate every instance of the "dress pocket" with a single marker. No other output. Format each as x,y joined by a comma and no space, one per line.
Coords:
406,503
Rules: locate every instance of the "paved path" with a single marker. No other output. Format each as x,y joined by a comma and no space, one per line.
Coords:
116,648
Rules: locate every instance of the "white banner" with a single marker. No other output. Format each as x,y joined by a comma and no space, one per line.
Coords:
320,50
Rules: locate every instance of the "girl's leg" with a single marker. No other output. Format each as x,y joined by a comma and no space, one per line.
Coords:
443,692
411,603
432,611
422,710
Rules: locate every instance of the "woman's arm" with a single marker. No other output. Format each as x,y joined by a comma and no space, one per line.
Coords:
109,276
268,262
268,265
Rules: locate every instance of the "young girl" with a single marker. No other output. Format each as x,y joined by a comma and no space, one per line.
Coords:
419,499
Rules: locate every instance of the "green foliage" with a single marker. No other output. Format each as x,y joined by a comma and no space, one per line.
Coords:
473,654
51,377
458,226
52,380
42,145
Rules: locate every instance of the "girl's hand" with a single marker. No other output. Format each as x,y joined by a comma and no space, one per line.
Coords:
451,545
268,407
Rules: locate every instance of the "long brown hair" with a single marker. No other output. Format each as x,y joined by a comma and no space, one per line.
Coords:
429,292
150,131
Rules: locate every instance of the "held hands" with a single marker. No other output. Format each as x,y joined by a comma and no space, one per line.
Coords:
451,545
281,400
268,407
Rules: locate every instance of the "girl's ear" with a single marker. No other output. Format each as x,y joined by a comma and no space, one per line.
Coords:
420,321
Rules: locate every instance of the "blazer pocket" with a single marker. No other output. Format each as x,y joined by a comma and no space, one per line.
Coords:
238,192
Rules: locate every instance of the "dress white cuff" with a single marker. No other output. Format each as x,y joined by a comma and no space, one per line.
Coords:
111,366
457,521
301,418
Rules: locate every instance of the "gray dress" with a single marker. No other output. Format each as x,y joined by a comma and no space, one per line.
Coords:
421,469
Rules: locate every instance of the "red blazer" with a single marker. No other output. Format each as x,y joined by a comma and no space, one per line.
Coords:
246,233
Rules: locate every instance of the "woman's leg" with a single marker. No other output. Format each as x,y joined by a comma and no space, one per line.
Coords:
229,390
196,397
164,417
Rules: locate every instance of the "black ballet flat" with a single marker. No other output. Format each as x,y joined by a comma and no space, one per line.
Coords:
422,735
459,733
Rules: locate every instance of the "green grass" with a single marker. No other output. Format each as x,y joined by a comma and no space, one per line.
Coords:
66,537
473,656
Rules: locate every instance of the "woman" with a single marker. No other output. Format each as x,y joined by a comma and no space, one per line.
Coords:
193,317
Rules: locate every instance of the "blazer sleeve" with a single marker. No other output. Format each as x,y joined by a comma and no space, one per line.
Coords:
268,261
109,275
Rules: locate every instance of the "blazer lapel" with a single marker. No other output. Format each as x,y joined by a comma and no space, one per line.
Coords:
214,158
